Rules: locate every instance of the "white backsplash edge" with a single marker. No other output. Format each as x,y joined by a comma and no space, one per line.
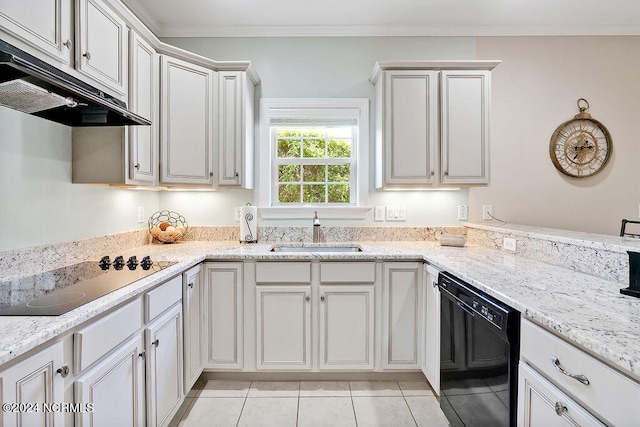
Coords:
596,254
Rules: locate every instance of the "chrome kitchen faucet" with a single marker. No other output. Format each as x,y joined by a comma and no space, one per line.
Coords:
316,227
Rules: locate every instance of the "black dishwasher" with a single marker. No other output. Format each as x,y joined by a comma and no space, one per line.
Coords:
479,351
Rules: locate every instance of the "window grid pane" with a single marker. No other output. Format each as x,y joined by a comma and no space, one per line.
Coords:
314,165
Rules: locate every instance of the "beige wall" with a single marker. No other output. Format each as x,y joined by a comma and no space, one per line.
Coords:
533,91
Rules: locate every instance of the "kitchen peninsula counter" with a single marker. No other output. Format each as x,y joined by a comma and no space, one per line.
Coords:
586,310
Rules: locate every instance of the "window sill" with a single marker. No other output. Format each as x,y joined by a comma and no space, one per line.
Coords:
306,212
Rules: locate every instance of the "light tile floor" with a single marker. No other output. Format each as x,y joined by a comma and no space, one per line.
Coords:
310,404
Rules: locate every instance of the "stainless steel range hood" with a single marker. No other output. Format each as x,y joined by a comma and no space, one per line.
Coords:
32,86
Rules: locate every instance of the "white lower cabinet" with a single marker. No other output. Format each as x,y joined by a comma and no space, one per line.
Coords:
401,315
558,378
283,316
37,379
193,325
223,313
114,388
346,327
541,404
163,343
431,325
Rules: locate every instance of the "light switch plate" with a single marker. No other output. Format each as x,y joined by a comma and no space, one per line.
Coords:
396,213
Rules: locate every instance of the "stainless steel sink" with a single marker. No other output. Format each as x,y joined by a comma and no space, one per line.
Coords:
316,249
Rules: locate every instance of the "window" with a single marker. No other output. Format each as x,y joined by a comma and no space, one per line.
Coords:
313,156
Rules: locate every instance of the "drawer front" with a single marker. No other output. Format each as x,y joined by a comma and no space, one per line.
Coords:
348,272
609,393
283,272
161,298
102,336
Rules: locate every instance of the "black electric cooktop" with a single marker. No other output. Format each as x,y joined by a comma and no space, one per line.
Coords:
73,286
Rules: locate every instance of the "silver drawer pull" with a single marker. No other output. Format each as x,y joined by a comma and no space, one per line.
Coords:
578,377
560,409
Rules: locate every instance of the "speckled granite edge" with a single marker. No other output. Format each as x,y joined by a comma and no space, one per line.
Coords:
595,254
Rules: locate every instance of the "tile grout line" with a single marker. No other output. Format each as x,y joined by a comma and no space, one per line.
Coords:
244,403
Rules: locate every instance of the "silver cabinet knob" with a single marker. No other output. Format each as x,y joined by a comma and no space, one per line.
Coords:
446,173
432,173
211,174
68,44
63,371
156,342
87,55
560,409
307,298
190,285
322,298
137,166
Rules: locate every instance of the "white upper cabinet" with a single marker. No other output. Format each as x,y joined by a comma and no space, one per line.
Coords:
144,94
39,26
235,129
187,123
465,127
432,123
101,45
407,123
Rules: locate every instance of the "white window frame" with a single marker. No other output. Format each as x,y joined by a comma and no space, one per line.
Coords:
313,108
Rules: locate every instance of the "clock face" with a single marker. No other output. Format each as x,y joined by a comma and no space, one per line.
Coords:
580,147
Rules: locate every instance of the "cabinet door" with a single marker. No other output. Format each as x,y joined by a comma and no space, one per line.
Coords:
48,30
192,301
187,149
101,44
224,316
283,327
541,404
401,296
236,129
410,136
115,388
346,327
143,99
431,297
163,343
465,127
35,380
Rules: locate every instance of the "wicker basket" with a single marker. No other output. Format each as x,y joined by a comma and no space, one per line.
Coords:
167,226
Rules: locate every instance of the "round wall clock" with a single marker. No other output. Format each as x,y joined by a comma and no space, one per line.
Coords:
582,146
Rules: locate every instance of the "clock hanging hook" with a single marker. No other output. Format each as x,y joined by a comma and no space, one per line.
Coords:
583,106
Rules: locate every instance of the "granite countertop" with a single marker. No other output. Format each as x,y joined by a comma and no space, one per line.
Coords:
586,310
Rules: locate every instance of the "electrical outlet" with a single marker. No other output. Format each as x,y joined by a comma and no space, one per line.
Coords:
487,211
140,214
236,214
378,213
509,244
463,212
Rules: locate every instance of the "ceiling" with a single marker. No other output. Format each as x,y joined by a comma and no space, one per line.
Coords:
260,18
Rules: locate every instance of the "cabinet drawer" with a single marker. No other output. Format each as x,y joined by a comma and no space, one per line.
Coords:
161,298
609,393
348,272
283,272
102,336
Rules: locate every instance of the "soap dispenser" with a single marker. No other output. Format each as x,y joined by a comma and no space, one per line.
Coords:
634,275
